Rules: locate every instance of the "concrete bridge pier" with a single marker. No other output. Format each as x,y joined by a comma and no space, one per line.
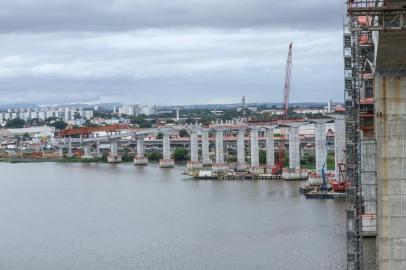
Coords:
339,144
166,161
205,149
270,149
69,154
390,132
60,151
321,149
241,165
113,156
220,165
194,162
140,158
294,148
98,154
254,168
87,154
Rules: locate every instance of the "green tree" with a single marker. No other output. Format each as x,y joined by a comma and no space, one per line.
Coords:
180,154
154,156
15,123
183,133
35,122
59,124
141,121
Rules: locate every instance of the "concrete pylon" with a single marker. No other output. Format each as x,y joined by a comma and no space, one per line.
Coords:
220,165
87,153
254,150
60,152
205,148
390,134
270,149
166,161
321,148
70,154
98,153
140,158
241,165
294,148
194,162
113,156
339,143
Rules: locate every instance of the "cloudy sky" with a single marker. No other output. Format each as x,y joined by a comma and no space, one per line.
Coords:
168,51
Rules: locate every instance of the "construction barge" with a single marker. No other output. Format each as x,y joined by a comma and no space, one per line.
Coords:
209,175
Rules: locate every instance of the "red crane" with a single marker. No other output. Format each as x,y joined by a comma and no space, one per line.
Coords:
287,82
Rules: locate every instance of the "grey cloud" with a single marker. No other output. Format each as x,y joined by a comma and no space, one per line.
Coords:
126,15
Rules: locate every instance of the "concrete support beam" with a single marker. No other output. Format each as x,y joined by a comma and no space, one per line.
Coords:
70,154
60,152
87,153
339,144
270,149
140,158
321,148
205,148
294,148
254,150
113,156
166,161
241,166
220,165
98,153
390,132
194,162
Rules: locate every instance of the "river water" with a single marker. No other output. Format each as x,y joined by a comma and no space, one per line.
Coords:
99,216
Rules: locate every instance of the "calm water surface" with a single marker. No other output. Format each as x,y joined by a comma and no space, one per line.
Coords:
99,216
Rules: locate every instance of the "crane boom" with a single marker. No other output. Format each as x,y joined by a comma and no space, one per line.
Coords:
287,81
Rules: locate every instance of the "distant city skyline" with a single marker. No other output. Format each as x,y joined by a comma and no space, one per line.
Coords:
180,52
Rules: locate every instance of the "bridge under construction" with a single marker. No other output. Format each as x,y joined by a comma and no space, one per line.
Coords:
375,98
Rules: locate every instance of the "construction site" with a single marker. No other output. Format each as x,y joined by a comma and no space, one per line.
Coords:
375,98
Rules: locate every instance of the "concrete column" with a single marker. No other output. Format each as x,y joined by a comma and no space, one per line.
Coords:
294,148
241,166
167,161
220,165
339,143
220,146
70,154
87,153
205,148
194,162
390,132
254,148
140,158
98,154
321,149
113,156
270,148
60,152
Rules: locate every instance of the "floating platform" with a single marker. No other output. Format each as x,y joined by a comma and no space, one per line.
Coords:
316,194
208,175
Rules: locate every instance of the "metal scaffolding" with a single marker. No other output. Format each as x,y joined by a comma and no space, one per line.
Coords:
359,54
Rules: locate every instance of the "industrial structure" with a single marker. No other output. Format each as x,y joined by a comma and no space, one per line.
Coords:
375,93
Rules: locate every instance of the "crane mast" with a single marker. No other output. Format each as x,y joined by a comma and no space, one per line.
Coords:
287,81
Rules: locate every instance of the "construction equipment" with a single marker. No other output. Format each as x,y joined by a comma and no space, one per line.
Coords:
277,169
287,82
340,185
